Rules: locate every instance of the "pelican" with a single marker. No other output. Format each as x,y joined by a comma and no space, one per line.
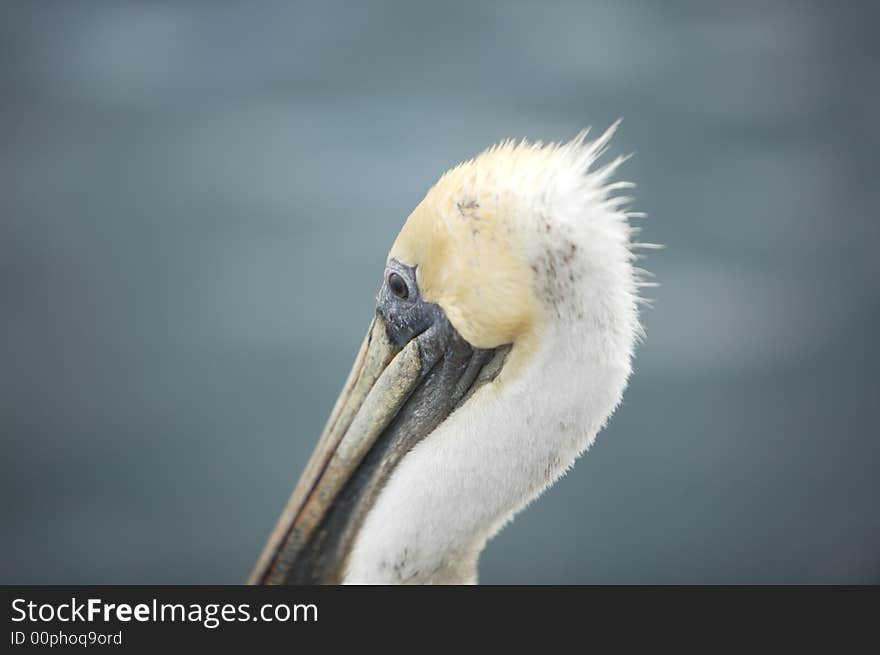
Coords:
501,343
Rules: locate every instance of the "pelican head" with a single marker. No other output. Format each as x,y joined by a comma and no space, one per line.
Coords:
501,343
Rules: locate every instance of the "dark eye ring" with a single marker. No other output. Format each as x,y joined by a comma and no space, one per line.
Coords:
398,286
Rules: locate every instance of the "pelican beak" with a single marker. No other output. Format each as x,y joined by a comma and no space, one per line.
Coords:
411,372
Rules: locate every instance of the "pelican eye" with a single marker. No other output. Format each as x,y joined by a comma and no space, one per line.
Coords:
398,286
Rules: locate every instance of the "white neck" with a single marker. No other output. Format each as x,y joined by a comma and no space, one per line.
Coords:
503,447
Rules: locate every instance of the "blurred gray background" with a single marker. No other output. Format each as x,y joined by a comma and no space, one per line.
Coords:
196,200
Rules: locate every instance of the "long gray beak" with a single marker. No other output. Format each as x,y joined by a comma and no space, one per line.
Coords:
395,395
